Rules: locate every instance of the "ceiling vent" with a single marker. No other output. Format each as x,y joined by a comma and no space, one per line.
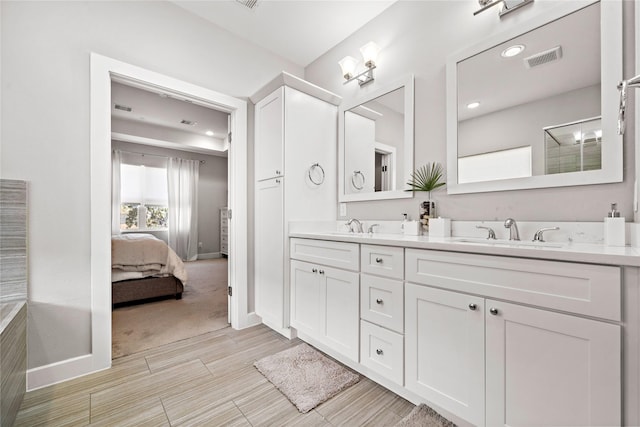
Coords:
188,122
544,57
251,4
123,108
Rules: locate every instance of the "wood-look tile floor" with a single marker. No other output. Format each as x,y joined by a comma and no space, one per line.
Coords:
208,380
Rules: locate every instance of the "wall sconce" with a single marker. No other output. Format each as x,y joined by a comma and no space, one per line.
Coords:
348,64
507,5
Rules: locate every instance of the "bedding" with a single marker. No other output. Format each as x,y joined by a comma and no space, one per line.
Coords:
139,255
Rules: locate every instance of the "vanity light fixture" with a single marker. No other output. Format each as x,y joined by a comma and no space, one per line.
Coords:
209,133
473,105
512,51
507,5
348,65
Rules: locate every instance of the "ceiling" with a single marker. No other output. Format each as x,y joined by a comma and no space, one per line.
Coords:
498,83
300,31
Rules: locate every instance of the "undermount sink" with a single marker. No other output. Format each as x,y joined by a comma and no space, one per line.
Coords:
507,243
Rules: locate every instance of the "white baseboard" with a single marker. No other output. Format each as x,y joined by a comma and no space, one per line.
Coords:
210,255
64,370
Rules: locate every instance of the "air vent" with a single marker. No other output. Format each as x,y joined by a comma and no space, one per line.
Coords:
123,108
251,4
544,57
188,122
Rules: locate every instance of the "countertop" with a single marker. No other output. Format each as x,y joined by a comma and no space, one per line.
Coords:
569,251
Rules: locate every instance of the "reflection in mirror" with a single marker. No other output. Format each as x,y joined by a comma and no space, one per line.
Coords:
573,147
529,109
374,136
376,144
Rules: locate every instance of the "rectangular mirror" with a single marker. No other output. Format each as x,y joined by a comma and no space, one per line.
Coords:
537,106
375,136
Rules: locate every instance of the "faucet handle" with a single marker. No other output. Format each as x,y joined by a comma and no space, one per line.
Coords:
370,229
491,234
538,237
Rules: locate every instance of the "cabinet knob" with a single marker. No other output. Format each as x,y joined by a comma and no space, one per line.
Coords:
277,172
472,306
493,311
314,270
379,352
379,260
379,301
277,181
321,271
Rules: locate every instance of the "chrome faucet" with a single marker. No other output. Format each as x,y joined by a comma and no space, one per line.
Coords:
357,223
538,237
510,223
491,235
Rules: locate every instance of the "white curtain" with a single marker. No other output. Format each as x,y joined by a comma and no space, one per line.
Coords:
116,161
182,178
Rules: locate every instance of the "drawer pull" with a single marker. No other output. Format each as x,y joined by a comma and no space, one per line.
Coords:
314,270
379,260
493,311
321,271
379,352
472,306
379,301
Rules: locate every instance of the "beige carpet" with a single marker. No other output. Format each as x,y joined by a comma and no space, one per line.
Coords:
305,376
424,416
203,308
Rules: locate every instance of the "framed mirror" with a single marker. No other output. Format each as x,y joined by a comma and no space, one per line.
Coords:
536,107
375,137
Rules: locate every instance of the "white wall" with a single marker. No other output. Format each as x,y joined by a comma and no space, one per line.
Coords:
45,132
212,191
417,37
522,125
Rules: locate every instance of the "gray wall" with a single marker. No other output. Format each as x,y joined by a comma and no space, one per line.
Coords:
212,191
417,37
46,129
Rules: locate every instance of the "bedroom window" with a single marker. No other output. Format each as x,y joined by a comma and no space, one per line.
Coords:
144,196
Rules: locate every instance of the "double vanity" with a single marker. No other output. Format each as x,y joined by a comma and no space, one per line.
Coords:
491,333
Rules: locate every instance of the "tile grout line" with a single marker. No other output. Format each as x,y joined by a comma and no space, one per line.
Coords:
245,417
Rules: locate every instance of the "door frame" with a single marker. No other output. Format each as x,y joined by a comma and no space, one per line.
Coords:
103,71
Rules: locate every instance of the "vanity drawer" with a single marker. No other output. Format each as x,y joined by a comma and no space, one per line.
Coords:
334,254
382,301
384,261
592,290
382,351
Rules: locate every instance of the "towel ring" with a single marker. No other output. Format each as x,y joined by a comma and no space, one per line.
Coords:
311,169
353,180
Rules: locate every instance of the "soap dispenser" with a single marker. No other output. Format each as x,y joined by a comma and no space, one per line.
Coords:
614,228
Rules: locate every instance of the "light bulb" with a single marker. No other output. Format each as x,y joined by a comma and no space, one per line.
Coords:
348,66
369,54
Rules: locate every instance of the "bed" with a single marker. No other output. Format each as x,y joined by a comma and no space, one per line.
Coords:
144,267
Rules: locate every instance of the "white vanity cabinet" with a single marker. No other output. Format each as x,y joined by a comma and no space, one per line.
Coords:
324,299
444,353
295,171
382,311
511,364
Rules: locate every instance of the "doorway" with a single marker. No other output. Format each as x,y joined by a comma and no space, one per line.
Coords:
103,71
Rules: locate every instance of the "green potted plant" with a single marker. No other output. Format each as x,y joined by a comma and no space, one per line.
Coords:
427,178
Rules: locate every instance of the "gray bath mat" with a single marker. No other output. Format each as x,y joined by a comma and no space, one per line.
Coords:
424,416
305,376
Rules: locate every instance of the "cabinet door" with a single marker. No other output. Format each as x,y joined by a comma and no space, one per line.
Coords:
547,368
305,298
444,349
269,136
269,252
341,315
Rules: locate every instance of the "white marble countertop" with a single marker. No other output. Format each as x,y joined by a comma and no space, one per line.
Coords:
591,253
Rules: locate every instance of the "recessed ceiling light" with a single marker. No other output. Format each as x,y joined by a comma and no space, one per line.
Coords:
209,133
473,105
512,51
